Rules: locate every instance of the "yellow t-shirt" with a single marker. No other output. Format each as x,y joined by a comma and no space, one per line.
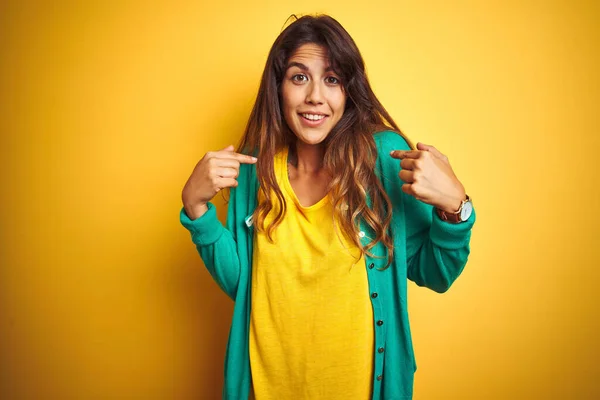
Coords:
311,323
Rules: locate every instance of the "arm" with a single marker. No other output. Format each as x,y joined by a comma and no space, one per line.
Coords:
436,250
216,245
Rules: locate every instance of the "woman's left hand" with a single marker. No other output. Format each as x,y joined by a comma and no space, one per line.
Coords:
428,176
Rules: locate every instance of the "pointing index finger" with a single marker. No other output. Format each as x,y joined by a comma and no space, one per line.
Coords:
243,158
402,154
232,155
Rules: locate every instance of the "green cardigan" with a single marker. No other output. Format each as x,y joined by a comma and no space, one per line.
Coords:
427,250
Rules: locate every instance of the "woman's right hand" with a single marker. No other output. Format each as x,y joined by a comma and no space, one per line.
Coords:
215,171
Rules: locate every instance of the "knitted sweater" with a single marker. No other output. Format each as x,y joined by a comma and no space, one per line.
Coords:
427,250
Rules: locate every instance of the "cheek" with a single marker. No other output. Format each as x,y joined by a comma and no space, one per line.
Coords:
340,104
288,109
289,100
343,105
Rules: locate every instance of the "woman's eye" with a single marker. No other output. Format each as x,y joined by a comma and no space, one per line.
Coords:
332,80
299,78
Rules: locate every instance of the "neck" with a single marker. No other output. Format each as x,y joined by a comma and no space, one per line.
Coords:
308,158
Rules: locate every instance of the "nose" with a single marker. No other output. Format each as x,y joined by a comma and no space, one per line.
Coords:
314,93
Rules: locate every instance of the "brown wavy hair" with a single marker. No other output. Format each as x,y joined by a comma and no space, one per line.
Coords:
350,150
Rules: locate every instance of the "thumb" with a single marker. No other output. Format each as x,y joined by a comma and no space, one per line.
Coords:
229,148
432,150
423,146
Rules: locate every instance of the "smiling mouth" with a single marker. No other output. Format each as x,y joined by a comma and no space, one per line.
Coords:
313,117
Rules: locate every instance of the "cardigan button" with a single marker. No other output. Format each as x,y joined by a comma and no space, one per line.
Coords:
380,350
380,322
379,377
374,295
371,266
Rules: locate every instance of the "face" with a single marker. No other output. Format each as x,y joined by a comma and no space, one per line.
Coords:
312,95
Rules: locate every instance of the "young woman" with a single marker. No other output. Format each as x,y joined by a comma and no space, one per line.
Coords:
324,227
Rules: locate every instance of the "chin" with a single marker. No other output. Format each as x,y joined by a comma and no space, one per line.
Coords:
313,138
313,141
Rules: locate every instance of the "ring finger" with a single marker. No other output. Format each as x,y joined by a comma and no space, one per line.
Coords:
407,176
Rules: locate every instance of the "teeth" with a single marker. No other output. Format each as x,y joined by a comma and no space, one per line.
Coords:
313,117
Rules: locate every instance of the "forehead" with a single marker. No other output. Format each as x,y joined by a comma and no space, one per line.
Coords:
310,53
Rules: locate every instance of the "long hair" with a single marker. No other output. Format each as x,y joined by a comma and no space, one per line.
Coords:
350,150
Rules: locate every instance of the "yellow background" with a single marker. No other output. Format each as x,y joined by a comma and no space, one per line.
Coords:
105,107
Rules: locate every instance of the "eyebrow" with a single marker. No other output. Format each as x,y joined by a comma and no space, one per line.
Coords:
304,67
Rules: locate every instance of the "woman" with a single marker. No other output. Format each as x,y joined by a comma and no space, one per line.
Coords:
324,227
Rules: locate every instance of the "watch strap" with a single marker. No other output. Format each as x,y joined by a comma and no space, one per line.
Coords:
452,217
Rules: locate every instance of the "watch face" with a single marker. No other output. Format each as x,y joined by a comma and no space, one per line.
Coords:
466,211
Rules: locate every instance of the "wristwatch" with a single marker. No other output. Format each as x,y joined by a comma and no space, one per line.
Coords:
463,213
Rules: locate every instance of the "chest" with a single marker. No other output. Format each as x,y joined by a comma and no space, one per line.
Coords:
309,190
308,249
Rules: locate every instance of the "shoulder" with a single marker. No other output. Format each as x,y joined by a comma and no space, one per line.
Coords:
386,166
247,178
387,141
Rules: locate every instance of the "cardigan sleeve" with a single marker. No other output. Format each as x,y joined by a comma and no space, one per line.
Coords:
436,250
216,245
